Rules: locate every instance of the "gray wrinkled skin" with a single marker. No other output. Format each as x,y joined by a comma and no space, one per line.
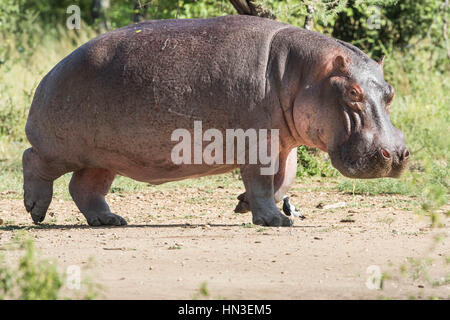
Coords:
110,107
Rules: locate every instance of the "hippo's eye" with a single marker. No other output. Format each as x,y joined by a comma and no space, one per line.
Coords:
354,93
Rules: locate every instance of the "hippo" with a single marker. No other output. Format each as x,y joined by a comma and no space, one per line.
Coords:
111,106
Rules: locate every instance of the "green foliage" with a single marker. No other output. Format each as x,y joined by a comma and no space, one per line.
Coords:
38,279
33,279
294,11
310,164
202,292
375,187
401,24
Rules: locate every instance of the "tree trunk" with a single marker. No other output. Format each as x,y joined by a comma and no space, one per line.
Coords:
137,14
98,12
251,8
444,28
309,20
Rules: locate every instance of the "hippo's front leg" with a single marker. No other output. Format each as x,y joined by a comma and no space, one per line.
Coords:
260,194
282,181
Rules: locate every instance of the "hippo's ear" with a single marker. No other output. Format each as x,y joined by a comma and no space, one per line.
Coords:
340,64
381,62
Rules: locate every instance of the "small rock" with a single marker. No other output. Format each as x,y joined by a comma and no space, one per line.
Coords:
335,205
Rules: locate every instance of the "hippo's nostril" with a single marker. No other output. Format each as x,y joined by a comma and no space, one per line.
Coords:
385,154
406,154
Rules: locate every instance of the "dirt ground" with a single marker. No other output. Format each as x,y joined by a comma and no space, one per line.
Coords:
180,239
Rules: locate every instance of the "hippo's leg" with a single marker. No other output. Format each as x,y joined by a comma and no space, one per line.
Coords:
243,205
88,188
286,174
38,177
260,195
282,181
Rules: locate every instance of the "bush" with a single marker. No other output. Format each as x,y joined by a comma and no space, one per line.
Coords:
35,278
312,162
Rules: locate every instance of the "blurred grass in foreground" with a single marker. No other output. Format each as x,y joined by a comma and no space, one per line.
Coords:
33,277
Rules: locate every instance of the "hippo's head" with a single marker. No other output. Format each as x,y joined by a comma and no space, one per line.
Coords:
355,127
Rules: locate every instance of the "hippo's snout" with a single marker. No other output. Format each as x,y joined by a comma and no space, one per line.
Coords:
397,159
367,156
394,152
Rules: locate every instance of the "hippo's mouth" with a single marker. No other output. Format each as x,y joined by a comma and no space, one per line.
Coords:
357,158
360,167
369,165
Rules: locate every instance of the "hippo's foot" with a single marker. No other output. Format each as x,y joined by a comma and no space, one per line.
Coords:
88,188
243,206
259,193
96,219
271,219
37,198
38,179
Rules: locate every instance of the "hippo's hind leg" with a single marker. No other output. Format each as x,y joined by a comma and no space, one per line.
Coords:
243,205
38,177
88,188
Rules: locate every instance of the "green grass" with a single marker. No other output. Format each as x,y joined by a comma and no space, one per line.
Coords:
34,277
376,187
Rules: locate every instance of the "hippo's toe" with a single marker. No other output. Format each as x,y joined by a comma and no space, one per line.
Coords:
106,219
38,216
242,207
277,220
